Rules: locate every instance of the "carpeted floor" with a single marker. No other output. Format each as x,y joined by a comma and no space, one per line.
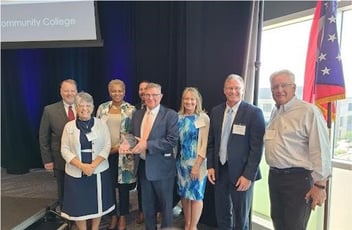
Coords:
25,198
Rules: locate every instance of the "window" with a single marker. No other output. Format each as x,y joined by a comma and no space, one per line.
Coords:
285,47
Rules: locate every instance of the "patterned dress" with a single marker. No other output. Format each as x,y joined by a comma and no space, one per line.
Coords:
125,163
188,188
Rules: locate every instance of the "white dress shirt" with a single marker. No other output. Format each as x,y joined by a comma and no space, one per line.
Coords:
297,136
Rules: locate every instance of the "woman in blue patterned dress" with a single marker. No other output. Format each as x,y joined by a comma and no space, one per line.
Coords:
85,146
191,162
117,114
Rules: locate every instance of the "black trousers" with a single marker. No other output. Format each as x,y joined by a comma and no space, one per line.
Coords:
289,209
232,207
113,162
124,198
139,194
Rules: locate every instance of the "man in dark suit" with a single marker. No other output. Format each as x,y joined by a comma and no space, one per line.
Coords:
54,118
156,129
234,151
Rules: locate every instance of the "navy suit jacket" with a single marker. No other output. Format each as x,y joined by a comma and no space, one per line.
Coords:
160,161
52,123
244,151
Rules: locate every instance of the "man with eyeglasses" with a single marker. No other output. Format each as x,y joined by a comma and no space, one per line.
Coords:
297,150
235,147
156,129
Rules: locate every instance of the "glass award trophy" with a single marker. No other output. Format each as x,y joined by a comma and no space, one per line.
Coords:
128,141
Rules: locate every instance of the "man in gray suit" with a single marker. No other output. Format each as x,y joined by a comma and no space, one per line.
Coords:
156,129
234,151
54,118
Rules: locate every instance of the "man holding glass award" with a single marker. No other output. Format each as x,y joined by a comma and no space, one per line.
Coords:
156,130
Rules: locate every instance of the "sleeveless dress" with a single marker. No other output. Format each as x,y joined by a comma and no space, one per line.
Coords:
87,197
188,188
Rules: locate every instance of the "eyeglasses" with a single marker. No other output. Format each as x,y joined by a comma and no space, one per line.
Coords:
282,86
84,106
152,95
233,88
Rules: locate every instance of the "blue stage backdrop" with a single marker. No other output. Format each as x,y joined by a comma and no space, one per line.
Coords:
175,44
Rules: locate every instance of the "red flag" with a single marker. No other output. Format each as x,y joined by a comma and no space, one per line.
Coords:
323,79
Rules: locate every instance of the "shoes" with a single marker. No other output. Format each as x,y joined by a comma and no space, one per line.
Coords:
116,221
158,217
140,218
115,228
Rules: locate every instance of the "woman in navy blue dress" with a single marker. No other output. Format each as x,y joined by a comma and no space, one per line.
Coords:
85,146
191,164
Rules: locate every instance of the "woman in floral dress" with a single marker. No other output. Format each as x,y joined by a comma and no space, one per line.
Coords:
191,162
117,114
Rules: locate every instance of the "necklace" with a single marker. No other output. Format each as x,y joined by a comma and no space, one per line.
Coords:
115,109
87,123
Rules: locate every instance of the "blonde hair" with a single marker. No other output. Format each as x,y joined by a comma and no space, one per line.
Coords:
194,91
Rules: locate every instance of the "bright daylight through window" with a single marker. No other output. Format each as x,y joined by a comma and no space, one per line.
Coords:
285,47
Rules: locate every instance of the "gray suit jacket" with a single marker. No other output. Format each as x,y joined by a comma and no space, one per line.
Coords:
160,162
52,124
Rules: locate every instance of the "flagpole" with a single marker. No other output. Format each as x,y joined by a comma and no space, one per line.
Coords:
257,59
327,201
256,77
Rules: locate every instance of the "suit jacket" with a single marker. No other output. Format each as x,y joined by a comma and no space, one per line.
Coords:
160,162
52,123
244,149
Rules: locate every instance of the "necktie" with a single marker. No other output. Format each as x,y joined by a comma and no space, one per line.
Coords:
70,114
225,136
147,125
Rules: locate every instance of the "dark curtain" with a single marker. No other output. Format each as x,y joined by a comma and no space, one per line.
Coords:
197,44
160,36
175,44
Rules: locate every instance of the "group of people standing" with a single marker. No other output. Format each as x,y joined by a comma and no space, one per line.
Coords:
93,155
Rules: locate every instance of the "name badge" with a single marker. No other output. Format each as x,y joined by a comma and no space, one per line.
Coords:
239,129
91,136
269,134
199,123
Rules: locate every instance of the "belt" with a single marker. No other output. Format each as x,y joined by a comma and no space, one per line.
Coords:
288,170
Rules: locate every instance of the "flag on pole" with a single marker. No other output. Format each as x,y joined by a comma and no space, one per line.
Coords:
323,80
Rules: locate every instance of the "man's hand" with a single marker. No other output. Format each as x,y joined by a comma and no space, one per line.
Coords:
317,195
49,166
140,147
243,184
211,175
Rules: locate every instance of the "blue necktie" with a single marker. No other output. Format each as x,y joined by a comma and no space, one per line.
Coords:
226,129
